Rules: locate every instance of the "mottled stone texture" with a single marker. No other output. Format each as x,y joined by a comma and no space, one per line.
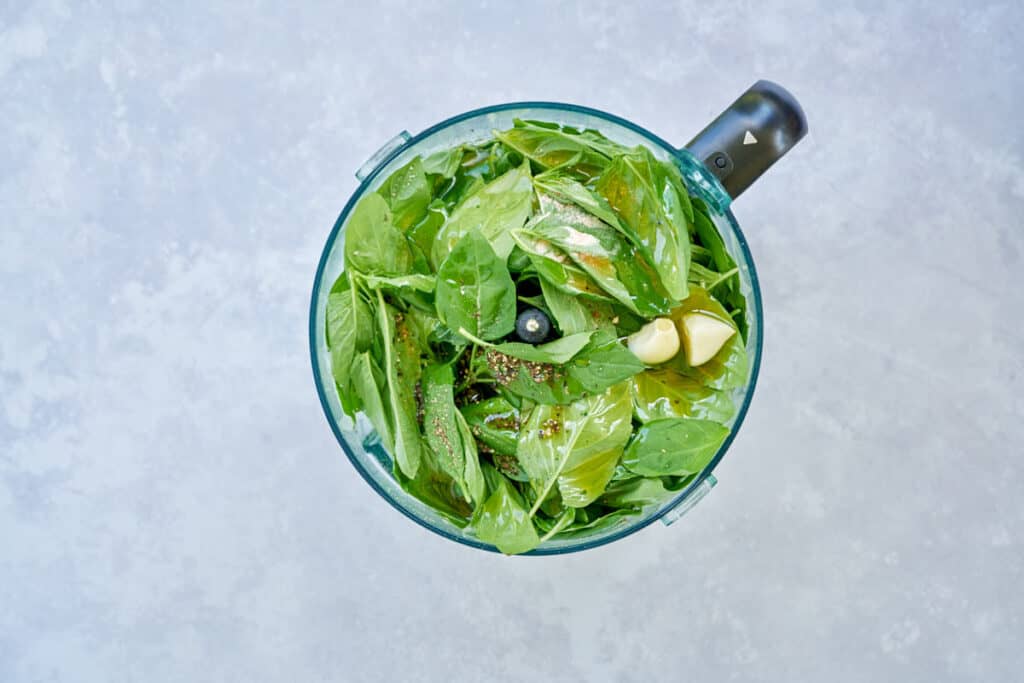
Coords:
173,506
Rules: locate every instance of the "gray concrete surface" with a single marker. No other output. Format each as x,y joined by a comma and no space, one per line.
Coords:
173,506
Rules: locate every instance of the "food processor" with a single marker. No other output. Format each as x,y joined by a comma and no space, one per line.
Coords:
720,163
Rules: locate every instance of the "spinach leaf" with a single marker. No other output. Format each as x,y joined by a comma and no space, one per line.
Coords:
367,379
503,520
443,427
495,423
407,194
494,210
628,186
677,446
372,244
402,370
662,392
604,255
475,291
575,446
348,333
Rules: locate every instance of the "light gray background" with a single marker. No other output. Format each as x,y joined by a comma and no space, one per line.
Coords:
173,506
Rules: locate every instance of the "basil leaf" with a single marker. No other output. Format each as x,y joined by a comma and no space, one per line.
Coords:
348,333
678,446
366,380
372,244
503,520
603,363
635,493
568,190
495,423
628,186
723,262
552,264
575,446
556,352
661,393
407,194
582,153
448,434
437,489
444,163
568,312
401,369
604,255
493,211
475,291
416,282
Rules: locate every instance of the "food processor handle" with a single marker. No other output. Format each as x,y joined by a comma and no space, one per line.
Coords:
755,131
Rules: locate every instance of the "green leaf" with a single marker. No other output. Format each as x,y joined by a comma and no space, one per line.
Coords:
575,446
437,489
553,264
677,446
602,363
448,435
604,255
366,383
660,393
372,244
401,369
556,148
407,194
628,186
475,291
559,351
635,493
568,312
495,423
500,206
472,477
348,332
723,262
503,520
417,282
444,163
567,190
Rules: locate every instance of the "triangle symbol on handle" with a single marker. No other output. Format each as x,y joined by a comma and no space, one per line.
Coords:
749,139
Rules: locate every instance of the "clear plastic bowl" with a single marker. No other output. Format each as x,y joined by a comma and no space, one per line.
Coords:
358,439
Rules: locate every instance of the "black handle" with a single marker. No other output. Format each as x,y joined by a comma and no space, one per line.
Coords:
751,135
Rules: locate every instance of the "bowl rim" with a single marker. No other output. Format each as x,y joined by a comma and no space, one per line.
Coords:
641,522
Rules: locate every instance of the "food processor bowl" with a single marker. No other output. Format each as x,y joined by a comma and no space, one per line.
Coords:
722,167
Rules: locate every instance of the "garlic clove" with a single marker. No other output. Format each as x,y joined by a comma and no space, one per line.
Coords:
655,342
703,336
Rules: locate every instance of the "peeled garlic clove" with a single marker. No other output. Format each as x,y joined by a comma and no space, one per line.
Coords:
655,342
703,336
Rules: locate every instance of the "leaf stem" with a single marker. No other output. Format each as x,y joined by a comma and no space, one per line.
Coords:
722,278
